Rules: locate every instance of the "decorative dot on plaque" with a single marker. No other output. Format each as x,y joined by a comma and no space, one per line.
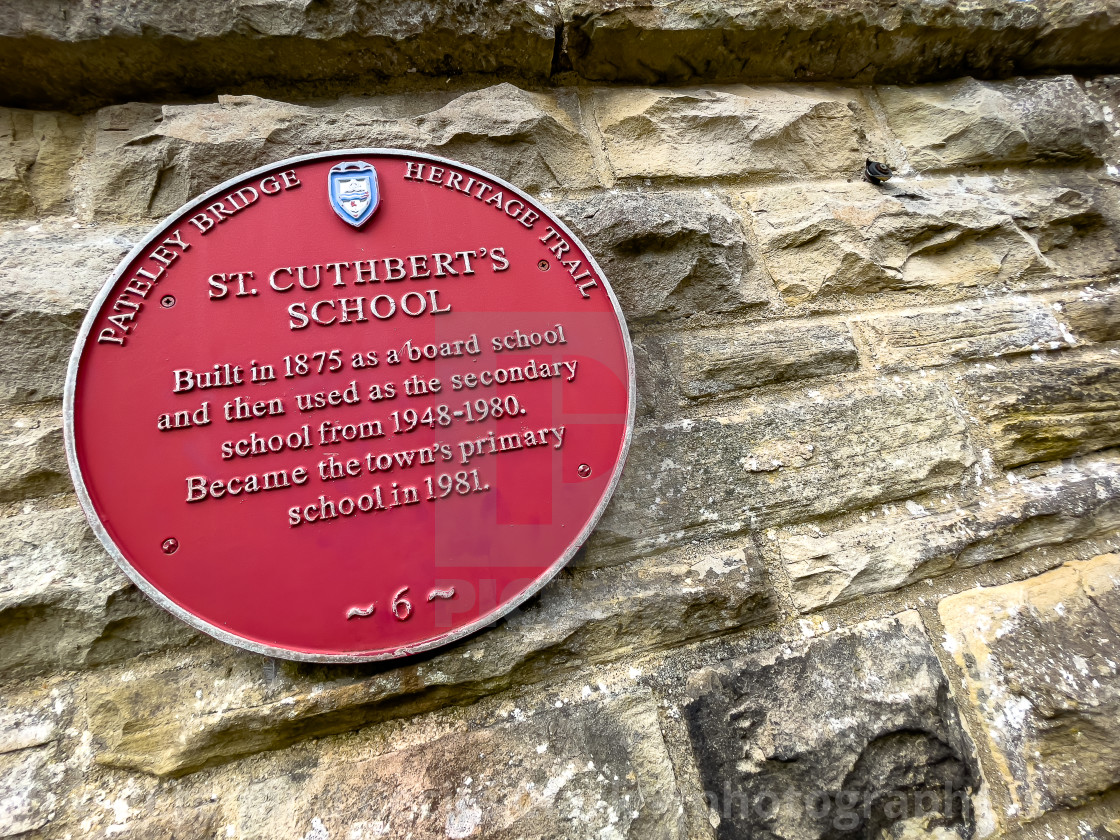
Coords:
170,545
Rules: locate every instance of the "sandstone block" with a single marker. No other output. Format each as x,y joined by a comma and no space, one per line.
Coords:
26,722
37,151
1073,221
1048,407
1039,666
784,460
964,332
27,784
859,239
1099,826
210,705
1093,315
182,823
909,544
26,800
732,131
157,162
586,770
668,255
1105,91
724,361
65,604
51,273
850,732
32,460
969,122
683,41
83,53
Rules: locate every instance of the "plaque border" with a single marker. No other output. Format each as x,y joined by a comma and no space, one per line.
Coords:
283,653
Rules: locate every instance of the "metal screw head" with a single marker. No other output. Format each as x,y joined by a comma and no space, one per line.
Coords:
542,265
170,545
584,470
167,301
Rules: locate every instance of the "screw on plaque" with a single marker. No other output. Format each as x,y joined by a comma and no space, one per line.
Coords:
584,470
542,265
170,545
167,301
877,172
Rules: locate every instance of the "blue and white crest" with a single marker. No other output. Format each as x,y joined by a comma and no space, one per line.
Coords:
353,191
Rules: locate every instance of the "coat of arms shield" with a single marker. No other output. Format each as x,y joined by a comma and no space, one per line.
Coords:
353,191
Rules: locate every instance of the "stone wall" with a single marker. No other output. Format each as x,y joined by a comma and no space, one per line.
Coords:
860,577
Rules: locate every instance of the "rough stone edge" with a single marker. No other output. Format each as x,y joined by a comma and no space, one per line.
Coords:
589,41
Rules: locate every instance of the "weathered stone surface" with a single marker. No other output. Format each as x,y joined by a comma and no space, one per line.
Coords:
719,362
27,798
964,332
1048,407
1101,826
592,769
784,460
666,254
183,823
84,53
212,704
49,275
751,273
679,41
1070,220
859,239
1038,658
27,722
144,162
64,603
739,130
850,732
969,122
1093,315
909,544
37,151
32,460
1105,91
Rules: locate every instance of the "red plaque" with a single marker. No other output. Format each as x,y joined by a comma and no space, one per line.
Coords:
350,406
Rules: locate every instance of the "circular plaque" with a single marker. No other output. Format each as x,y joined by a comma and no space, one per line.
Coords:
350,406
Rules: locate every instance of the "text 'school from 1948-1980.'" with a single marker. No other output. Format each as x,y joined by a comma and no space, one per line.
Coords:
350,406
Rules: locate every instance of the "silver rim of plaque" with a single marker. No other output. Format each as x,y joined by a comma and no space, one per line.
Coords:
282,653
